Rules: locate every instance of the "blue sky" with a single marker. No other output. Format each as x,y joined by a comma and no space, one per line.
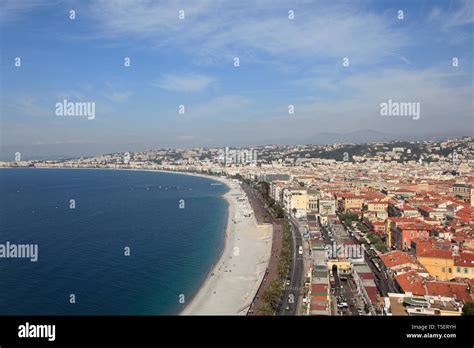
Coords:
190,62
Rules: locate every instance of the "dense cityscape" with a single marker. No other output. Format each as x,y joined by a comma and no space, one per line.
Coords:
381,228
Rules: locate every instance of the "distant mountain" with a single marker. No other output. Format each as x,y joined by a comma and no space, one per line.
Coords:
359,136
369,135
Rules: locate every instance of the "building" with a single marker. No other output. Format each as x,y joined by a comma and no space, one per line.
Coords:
412,305
326,205
438,262
463,191
365,282
403,230
320,304
398,262
276,190
379,208
313,198
295,201
351,202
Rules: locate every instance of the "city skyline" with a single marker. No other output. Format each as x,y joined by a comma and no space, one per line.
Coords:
292,55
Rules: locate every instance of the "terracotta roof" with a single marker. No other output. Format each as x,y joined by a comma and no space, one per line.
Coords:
436,253
319,288
396,258
425,208
407,207
449,289
464,260
372,293
411,282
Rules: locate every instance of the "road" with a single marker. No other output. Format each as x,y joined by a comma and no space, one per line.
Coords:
383,285
296,275
346,293
262,215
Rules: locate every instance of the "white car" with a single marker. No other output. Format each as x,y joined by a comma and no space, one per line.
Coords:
300,250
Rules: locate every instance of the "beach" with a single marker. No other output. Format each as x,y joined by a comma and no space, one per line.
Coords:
232,283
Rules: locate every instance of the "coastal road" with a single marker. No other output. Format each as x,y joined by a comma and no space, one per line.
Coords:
292,292
262,215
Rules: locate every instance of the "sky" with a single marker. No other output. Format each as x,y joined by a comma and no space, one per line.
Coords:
283,60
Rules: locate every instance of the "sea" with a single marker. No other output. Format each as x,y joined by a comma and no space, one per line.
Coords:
109,242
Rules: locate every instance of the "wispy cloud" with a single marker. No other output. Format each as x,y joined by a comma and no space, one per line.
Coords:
184,83
212,32
119,97
26,106
405,60
223,107
14,10
463,15
459,15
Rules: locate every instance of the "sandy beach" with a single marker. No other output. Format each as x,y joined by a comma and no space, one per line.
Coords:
232,283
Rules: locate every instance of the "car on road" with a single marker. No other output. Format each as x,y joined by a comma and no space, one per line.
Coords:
300,250
288,281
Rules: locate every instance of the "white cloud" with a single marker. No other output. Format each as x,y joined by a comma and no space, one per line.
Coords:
222,107
461,16
212,31
119,97
457,16
446,102
25,106
184,83
405,60
13,10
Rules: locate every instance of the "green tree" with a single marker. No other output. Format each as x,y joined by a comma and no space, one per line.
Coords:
272,293
265,309
349,218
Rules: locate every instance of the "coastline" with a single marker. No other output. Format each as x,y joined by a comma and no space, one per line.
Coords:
230,285
233,281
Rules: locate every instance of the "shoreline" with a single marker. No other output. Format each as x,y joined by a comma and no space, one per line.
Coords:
242,235
233,281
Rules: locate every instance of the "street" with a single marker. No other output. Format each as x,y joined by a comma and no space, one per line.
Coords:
295,275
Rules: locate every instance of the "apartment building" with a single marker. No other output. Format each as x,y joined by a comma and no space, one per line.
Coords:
327,205
464,191
295,201
313,198
403,230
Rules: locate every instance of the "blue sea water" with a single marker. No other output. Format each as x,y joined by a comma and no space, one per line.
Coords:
81,250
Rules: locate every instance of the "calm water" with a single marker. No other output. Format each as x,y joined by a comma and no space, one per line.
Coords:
81,250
